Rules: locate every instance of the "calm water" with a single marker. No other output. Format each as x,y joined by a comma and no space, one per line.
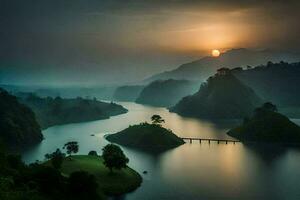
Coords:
191,171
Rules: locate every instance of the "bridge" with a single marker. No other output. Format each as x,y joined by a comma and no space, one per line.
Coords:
210,140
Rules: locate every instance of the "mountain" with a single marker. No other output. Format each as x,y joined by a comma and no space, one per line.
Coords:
222,96
267,126
205,67
275,82
18,125
166,92
127,93
146,136
55,111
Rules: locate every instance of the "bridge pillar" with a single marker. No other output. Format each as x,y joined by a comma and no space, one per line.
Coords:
190,141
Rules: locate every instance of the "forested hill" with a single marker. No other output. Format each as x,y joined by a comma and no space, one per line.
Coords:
18,126
276,82
56,111
221,97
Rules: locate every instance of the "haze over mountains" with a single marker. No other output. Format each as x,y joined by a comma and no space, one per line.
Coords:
203,68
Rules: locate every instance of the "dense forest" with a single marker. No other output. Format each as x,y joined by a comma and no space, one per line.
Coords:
18,125
54,111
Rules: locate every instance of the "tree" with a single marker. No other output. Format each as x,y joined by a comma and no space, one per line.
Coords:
114,157
56,158
72,147
92,153
157,119
269,106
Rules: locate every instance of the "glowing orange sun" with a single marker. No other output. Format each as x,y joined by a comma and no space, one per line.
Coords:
215,53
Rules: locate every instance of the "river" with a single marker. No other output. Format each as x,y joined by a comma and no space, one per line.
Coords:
191,171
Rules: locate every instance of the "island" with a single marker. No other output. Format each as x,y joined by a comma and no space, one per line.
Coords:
56,111
223,96
116,183
267,126
19,128
149,137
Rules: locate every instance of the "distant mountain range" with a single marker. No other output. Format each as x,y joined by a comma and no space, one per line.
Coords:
203,68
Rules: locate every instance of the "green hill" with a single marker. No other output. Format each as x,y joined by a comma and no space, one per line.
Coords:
267,126
122,181
146,136
166,92
18,126
222,96
55,111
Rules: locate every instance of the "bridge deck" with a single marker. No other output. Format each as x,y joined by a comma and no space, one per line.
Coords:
209,140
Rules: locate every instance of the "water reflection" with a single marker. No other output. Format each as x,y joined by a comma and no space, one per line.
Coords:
191,171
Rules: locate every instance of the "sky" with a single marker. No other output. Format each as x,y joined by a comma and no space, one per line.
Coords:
98,42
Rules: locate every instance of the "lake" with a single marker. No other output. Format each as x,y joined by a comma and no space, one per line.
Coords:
191,171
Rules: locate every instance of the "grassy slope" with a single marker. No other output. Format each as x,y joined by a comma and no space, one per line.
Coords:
119,182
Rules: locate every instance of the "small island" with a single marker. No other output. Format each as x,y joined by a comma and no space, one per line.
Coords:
267,126
150,137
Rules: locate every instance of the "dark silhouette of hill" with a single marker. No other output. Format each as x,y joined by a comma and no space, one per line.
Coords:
127,93
18,126
166,92
267,125
55,111
222,96
205,67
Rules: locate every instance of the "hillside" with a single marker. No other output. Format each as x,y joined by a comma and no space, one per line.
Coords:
205,67
166,92
18,125
267,126
221,97
127,93
56,111
147,137
276,82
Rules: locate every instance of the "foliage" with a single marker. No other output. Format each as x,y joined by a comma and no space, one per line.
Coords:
83,185
120,182
56,158
93,153
146,136
157,119
114,157
267,125
19,128
72,147
222,97
55,111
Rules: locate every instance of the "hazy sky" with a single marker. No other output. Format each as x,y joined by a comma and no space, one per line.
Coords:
99,41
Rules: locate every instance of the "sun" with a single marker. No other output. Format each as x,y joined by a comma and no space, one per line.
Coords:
215,53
